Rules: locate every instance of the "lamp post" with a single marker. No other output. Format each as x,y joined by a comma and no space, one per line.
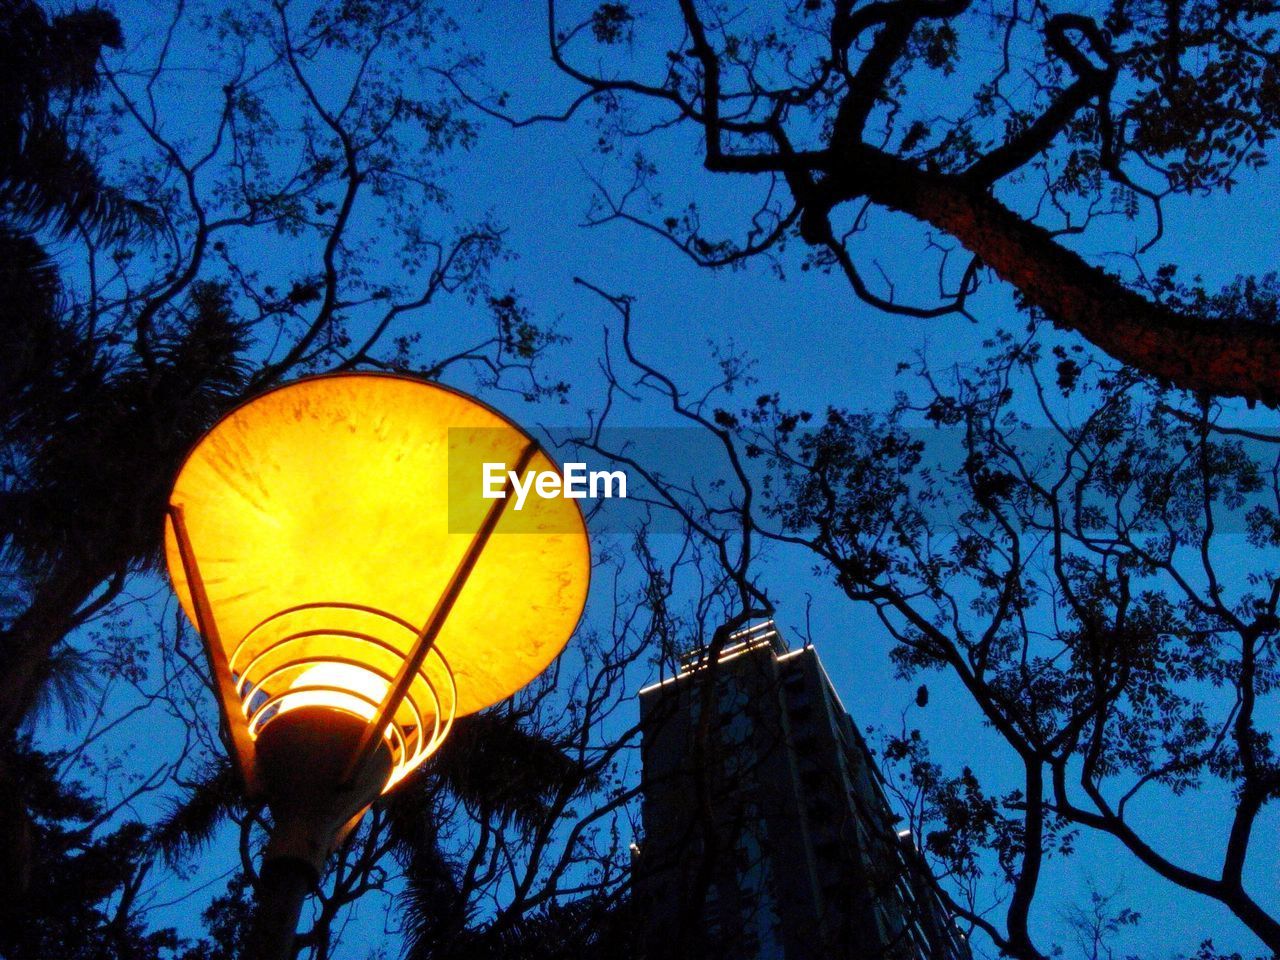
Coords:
356,592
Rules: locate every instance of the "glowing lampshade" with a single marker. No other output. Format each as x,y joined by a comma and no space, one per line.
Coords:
325,520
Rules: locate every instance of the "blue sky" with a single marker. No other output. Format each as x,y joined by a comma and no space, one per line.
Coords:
815,344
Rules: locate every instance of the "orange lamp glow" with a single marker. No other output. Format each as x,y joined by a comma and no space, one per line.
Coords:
332,542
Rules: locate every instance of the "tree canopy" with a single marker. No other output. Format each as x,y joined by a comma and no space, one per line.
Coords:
212,240
1083,552
1011,128
1082,560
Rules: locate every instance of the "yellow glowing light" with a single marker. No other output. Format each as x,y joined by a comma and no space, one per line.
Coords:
340,686
326,517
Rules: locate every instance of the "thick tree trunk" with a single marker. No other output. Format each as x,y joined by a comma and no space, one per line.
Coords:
1201,354
1263,925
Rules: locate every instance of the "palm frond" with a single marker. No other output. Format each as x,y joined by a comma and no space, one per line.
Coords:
52,185
190,822
66,681
101,441
434,915
495,764
46,182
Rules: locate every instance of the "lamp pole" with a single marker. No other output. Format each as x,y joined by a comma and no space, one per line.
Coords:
310,542
321,768
283,886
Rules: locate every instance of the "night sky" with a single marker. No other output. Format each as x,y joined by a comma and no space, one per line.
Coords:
816,345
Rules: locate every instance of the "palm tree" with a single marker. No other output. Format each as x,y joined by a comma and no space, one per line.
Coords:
501,771
91,433
93,428
81,891
46,182
92,444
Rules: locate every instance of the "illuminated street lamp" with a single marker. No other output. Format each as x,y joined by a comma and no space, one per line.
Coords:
356,592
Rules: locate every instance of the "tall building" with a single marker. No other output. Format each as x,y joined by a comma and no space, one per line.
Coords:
767,833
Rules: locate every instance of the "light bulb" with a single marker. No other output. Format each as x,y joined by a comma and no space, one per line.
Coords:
327,685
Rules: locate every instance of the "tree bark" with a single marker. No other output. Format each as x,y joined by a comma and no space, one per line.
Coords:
1201,354
1255,918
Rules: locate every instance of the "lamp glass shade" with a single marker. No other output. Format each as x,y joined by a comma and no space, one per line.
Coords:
326,518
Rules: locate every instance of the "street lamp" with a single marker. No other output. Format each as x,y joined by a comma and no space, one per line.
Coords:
357,591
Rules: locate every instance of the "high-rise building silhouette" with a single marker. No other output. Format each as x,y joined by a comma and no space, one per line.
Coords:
767,833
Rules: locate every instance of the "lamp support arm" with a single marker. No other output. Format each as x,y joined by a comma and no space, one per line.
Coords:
435,623
229,707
